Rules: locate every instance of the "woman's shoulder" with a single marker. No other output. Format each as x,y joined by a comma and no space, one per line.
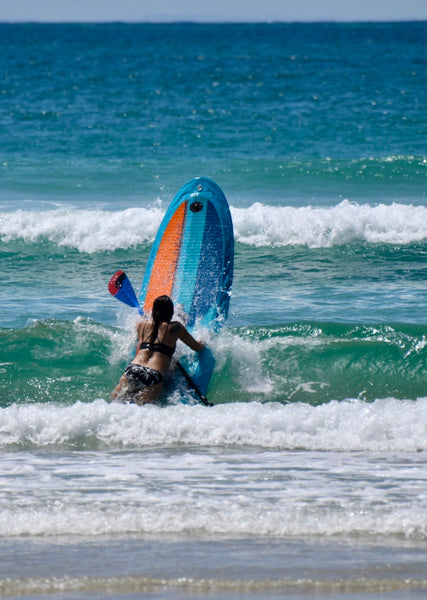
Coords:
141,324
174,326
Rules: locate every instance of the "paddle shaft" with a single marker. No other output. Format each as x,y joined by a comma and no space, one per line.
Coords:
203,398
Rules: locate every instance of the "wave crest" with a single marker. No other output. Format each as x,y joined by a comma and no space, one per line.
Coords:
258,225
384,425
345,223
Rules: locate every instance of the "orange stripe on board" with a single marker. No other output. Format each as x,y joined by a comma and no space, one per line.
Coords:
165,263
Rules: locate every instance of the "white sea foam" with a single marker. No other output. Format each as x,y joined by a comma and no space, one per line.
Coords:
228,470
210,515
326,227
353,425
259,225
87,230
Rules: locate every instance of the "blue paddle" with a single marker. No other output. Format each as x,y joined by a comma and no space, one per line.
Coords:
121,288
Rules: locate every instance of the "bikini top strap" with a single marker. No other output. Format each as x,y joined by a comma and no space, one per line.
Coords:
142,331
144,341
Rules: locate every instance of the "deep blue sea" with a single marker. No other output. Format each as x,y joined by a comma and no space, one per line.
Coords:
308,477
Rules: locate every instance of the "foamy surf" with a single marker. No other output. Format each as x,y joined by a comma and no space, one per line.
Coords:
258,225
345,223
384,425
226,471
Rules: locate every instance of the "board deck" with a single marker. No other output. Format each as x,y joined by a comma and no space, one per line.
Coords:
191,261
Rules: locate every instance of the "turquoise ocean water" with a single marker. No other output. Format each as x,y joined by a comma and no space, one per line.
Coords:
308,476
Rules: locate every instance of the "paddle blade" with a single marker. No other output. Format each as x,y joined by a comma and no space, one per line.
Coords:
120,287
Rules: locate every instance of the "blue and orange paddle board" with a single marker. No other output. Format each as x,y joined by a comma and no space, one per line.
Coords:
191,261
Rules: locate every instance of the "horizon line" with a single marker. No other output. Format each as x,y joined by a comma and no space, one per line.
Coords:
206,22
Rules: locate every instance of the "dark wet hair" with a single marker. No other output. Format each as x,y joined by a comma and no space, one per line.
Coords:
162,312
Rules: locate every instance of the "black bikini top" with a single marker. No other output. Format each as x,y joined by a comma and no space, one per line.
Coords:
158,347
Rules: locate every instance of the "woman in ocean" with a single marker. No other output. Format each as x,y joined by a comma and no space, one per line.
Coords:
142,381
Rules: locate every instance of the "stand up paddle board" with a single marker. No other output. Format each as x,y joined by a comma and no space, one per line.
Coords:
191,261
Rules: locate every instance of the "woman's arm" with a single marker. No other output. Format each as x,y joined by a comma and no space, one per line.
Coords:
186,337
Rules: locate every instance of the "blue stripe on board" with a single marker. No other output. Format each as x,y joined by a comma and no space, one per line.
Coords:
209,275
188,264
